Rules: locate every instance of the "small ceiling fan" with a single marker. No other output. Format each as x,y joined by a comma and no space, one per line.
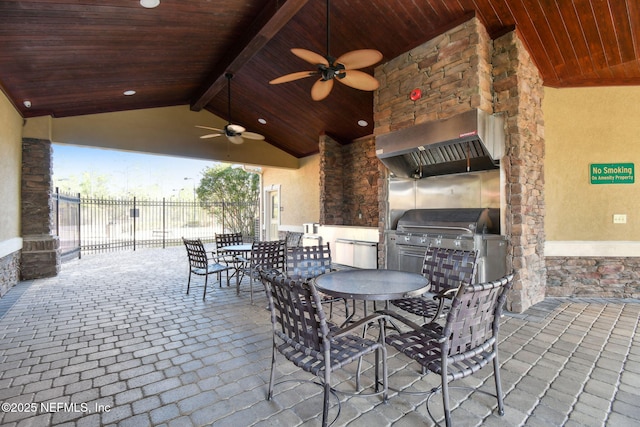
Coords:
344,69
234,133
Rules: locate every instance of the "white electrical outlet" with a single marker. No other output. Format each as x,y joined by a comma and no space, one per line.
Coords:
619,218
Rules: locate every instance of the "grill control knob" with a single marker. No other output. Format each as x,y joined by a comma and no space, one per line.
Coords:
457,243
423,240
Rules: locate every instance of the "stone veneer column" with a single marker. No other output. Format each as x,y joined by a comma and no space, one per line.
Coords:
41,248
518,95
360,183
331,180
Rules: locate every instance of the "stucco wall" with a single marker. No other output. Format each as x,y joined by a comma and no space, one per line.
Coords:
299,192
10,172
584,126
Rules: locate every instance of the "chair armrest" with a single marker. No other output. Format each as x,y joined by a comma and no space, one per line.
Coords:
447,293
442,296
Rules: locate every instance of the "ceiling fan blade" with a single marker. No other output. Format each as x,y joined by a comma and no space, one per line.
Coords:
359,80
237,139
209,128
293,76
359,58
310,57
321,89
252,135
235,128
211,135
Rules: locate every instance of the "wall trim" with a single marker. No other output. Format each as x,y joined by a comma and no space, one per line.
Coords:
587,248
10,246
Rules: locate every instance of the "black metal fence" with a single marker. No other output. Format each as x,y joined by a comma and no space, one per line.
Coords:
67,223
104,225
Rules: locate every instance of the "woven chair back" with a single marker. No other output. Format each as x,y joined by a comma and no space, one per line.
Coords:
448,268
306,262
196,253
297,315
473,321
228,239
268,255
294,239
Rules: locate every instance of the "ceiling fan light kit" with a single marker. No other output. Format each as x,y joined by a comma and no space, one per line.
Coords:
344,69
234,133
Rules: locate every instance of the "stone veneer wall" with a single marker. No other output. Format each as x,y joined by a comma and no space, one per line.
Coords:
453,71
9,272
360,193
460,70
348,183
41,249
605,277
518,95
331,189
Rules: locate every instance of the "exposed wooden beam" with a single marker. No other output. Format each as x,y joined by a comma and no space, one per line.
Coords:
265,27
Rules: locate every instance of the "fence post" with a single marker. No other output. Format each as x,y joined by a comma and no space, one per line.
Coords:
134,222
57,211
79,227
164,230
223,216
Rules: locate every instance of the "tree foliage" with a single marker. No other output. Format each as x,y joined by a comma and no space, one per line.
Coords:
233,194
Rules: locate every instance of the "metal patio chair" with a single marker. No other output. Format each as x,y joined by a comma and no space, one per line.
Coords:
303,335
445,269
200,264
225,257
293,238
467,342
265,255
307,262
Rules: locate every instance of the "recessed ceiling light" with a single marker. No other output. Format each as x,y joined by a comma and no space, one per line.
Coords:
149,4
363,123
262,121
129,92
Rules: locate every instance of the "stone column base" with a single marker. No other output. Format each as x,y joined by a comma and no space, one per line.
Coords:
9,272
40,257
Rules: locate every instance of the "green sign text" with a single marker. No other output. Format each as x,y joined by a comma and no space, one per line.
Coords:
612,173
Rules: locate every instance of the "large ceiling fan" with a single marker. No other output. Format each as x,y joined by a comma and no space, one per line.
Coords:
234,133
344,69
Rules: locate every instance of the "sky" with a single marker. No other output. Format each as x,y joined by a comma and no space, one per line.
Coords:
126,172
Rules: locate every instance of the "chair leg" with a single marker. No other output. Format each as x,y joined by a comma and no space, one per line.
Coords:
188,282
273,365
445,400
325,405
251,273
496,374
206,277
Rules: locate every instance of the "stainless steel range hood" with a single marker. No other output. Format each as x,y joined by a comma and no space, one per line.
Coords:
470,141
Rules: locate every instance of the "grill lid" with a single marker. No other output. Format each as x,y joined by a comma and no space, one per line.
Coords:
450,221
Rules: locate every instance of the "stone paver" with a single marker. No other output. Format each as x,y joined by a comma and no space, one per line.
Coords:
115,341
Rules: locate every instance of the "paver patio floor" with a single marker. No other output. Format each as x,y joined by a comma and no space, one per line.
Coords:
113,340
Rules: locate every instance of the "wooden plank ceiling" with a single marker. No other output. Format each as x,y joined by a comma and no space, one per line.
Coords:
76,57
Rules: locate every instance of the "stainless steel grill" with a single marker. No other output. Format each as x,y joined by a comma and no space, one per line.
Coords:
466,228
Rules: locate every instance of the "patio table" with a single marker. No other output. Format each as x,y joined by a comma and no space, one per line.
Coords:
371,285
